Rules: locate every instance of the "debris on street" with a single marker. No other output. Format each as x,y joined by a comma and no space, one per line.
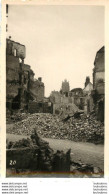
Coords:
46,159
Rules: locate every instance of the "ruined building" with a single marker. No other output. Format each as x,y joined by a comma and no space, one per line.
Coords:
99,72
82,97
21,87
77,94
62,101
99,83
15,55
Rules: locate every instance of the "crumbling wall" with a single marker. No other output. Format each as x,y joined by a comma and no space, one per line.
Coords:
12,68
99,68
12,77
76,92
37,89
55,97
99,61
34,107
100,88
20,50
99,75
15,49
70,99
77,95
64,109
26,76
99,83
44,107
88,104
11,91
21,86
58,98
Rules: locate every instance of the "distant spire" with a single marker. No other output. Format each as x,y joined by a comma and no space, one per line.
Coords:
87,81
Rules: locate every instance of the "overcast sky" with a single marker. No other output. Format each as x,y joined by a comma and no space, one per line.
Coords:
61,41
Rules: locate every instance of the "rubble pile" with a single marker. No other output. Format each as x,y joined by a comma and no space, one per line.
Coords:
85,128
40,159
85,170
66,109
19,144
19,116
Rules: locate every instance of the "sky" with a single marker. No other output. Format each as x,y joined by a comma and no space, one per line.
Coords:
61,41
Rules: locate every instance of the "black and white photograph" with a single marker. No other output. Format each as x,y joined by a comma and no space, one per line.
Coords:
55,90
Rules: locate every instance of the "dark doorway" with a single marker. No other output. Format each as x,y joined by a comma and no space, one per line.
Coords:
15,103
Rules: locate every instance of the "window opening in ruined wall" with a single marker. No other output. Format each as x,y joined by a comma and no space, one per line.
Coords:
15,52
20,60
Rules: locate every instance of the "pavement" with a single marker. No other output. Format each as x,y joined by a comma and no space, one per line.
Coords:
87,153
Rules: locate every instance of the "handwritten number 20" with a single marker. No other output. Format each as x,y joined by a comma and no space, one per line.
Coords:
12,162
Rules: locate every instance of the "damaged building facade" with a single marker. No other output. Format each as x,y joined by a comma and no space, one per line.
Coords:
82,97
21,87
73,100
77,95
92,96
99,83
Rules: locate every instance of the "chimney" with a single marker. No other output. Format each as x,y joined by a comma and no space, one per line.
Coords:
87,81
40,79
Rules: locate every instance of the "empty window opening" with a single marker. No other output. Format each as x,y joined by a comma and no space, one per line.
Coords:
15,52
